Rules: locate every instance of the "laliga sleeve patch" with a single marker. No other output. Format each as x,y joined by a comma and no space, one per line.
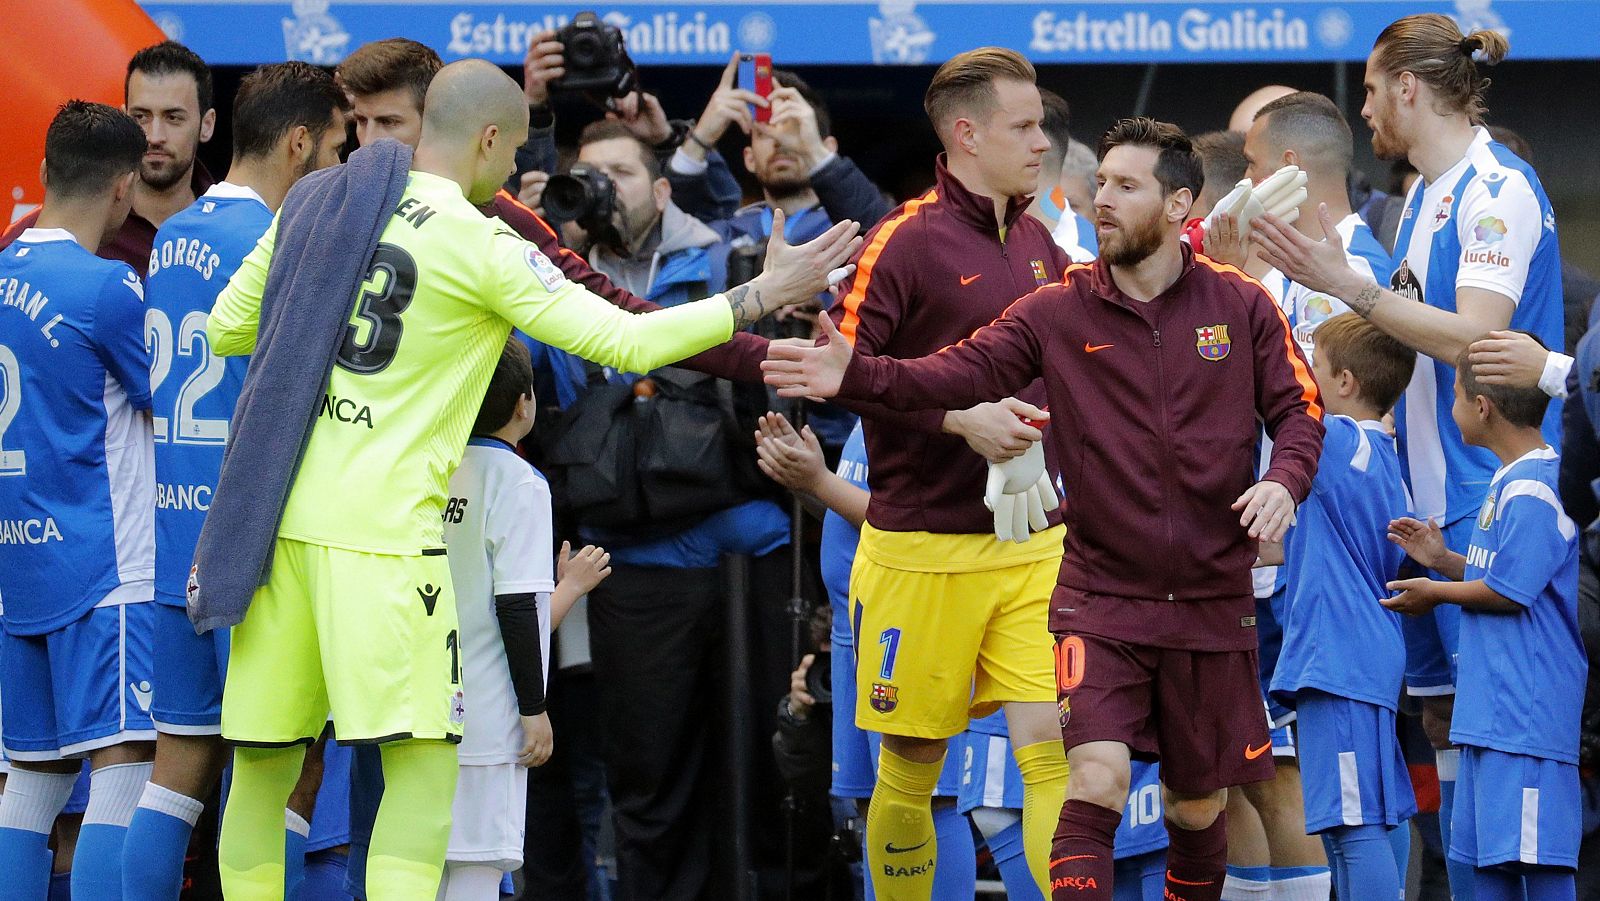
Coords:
544,270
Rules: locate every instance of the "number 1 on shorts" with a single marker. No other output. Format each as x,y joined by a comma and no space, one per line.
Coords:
890,639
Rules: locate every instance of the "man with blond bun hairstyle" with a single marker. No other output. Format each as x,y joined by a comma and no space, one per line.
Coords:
1477,247
949,621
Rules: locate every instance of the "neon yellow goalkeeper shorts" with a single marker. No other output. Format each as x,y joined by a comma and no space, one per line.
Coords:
371,637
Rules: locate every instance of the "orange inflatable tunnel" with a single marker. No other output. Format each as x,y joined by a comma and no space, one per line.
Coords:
55,52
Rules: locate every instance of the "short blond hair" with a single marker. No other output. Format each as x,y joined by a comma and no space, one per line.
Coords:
964,85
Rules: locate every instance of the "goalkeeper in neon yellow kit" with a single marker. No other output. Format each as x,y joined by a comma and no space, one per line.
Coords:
357,615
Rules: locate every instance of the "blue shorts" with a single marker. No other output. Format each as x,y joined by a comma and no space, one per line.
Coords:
855,751
1142,877
330,821
989,774
1512,808
1351,770
83,687
188,690
1284,737
1432,638
1269,635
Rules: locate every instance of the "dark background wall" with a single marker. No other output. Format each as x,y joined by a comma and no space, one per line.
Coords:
878,117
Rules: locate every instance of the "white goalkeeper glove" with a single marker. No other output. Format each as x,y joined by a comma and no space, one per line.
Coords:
1280,194
1019,493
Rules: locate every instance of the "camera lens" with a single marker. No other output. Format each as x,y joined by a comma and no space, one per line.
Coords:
585,50
566,197
819,679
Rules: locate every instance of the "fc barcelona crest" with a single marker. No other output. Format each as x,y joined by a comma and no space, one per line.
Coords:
1040,277
885,698
1212,342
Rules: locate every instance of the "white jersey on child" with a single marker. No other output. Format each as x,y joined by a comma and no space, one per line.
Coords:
497,527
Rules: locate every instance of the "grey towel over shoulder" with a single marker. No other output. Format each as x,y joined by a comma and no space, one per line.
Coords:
328,230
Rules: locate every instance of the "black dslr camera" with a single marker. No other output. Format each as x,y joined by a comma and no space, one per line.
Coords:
583,195
595,59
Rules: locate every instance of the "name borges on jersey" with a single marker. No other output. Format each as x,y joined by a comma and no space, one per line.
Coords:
191,252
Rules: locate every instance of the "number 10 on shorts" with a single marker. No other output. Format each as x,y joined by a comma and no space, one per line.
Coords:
1069,663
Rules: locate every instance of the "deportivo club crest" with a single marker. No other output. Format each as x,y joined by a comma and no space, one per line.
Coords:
1212,342
1486,513
885,698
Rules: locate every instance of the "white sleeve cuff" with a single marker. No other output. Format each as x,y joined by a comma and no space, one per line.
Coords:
1554,380
823,163
684,164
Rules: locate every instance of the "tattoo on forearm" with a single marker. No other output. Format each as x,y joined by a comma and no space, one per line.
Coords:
1367,299
746,303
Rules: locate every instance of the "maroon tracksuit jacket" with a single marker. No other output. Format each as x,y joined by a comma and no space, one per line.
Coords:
928,275
1153,418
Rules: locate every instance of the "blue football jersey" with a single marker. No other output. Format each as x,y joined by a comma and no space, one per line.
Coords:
77,489
193,390
1522,675
1486,223
839,540
1338,560
1306,310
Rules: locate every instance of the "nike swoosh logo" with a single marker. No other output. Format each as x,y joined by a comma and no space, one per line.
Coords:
893,850
1091,348
1073,857
967,280
1252,753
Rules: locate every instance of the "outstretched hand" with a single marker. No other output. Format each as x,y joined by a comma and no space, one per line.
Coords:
1319,265
1268,510
815,372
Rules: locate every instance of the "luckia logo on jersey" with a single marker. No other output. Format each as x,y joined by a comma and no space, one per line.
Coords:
1212,342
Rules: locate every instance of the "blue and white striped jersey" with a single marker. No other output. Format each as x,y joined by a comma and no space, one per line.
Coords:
1486,223
77,494
193,390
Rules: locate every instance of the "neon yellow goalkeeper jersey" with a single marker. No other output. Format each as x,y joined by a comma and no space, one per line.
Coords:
443,291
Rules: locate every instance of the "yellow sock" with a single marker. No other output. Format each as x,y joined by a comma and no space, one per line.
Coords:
1044,791
412,830
901,848
250,855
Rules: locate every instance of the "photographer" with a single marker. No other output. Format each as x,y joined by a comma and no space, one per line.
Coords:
655,626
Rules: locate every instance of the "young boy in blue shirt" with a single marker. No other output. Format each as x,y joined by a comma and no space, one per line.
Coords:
1522,666
1343,656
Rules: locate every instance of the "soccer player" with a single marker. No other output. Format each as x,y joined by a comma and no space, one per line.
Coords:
1477,246
795,460
991,795
358,612
1072,231
1522,666
499,528
76,482
1357,789
948,620
168,92
288,120
1156,650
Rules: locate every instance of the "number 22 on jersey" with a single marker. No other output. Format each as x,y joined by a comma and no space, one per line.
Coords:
181,425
